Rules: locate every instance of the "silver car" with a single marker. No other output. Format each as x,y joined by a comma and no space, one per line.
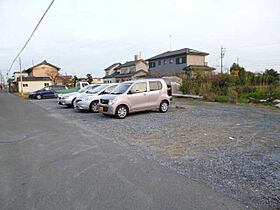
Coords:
68,99
134,96
90,100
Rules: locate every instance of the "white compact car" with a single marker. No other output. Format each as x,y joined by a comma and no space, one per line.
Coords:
68,99
90,100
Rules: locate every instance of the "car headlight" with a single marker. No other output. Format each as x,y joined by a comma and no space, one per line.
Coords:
112,101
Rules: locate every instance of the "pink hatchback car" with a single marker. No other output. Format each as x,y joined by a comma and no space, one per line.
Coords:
135,96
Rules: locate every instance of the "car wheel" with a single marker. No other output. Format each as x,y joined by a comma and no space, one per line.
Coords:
39,97
163,106
93,107
121,112
72,103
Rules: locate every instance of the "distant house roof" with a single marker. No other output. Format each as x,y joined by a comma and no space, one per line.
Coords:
130,63
129,74
178,52
36,79
113,65
198,67
111,76
42,63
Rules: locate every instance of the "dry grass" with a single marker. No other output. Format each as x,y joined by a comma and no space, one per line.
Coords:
25,95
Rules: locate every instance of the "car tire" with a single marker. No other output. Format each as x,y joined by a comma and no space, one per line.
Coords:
72,103
39,97
93,107
121,112
163,106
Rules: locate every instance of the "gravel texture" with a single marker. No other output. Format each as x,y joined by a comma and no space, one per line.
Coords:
232,148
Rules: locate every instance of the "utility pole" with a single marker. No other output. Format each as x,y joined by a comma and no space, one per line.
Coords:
237,61
223,50
21,86
170,46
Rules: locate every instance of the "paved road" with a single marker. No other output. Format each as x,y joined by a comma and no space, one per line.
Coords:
47,162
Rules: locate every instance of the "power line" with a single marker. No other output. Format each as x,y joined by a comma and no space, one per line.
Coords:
30,36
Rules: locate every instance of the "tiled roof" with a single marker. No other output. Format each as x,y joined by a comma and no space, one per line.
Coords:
129,74
130,63
199,67
111,76
110,67
178,52
36,79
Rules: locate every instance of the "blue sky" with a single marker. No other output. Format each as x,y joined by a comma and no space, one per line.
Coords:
87,36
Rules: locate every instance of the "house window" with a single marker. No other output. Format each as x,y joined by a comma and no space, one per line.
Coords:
180,60
171,60
159,63
152,64
25,85
164,61
46,84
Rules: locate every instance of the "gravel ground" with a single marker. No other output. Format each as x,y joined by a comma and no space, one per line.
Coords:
232,148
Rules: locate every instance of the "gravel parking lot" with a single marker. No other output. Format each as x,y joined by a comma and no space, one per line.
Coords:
233,149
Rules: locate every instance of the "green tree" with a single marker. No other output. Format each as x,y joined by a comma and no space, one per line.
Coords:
75,79
89,78
274,75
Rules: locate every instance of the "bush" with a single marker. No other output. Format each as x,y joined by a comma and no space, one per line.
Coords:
221,87
223,99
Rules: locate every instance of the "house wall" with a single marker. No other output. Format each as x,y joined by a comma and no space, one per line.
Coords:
167,67
141,66
196,60
43,71
33,85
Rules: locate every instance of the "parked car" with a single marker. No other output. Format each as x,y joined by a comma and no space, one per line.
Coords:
135,96
68,99
47,92
90,100
79,85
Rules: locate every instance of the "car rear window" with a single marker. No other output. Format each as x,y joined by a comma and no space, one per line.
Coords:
155,85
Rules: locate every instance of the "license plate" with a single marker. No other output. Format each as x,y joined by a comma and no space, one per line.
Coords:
101,108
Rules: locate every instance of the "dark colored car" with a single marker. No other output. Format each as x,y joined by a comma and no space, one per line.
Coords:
47,92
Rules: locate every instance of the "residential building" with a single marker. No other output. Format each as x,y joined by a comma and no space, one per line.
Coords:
109,71
30,84
129,70
37,77
178,61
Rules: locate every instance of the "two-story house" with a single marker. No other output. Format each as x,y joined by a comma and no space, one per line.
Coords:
38,76
127,71
178,61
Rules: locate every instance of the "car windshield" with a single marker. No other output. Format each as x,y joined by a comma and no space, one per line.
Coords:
121,88
84,89
97,89
109,89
